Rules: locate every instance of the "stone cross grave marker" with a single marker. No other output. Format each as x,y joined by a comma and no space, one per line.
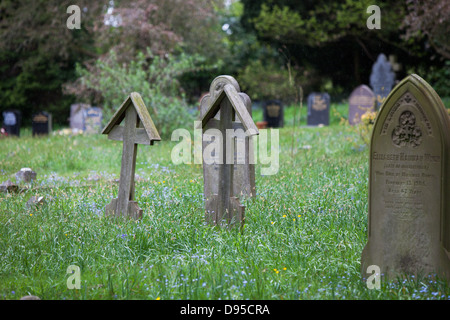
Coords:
273,114
138,128
409,184
361,101
228,173
41,123
381,79
11,122
318,109
92,120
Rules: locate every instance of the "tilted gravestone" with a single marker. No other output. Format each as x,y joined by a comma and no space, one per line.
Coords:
274,114
381,79
228,171
138,128
11,122
41,123
92,119
361,101
318,109
409,184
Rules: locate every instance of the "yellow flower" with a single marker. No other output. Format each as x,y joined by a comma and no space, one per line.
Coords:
284,216
31,214
299,215
284,268
164,181
272,222
158,298
293,219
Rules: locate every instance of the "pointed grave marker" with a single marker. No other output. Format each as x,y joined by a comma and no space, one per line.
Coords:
409,184
138,128
224,109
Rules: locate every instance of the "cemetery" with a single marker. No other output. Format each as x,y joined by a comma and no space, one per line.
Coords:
306,192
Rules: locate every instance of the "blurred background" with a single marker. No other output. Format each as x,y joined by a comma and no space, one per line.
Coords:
170,50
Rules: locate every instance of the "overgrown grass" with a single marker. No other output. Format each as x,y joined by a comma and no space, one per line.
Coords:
303,236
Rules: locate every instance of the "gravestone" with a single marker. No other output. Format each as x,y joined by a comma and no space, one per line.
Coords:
92,119
77,116
230,174
41,123
409,184
8,186
381,79
361,101
11,122
274,114
138,128
318,109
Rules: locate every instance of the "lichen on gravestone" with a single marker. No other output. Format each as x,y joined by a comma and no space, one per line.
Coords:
8,186
25,175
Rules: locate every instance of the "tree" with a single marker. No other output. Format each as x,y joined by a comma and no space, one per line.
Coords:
332,38
38,53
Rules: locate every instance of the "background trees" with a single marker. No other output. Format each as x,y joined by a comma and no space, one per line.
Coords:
268,45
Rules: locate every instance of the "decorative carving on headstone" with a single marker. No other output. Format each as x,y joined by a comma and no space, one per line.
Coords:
138,129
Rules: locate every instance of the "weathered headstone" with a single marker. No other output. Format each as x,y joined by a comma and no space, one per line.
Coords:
361,101
318,109
409,184
11,122
381,79
228,172
274,114
92,120
41,123
138,128
77,116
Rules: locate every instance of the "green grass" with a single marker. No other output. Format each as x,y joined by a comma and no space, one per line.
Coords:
303,236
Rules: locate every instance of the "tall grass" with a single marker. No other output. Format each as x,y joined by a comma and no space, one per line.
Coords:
303,235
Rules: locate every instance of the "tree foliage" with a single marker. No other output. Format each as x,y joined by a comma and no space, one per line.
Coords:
38,53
